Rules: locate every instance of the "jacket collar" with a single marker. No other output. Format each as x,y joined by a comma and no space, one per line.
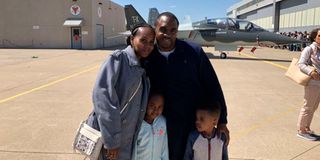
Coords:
132,57
178,48
214,134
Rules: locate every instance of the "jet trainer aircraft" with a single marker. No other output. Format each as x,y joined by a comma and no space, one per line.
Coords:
225,34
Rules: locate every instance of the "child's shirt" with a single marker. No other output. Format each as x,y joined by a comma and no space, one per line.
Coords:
199,147
152,142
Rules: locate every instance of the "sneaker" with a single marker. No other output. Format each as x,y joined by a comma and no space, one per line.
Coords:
314,134
307,136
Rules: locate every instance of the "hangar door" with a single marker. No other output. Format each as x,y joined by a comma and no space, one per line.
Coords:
99,36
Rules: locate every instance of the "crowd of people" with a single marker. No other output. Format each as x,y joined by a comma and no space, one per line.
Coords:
302,36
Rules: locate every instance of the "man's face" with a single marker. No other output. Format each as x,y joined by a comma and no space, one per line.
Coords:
166,33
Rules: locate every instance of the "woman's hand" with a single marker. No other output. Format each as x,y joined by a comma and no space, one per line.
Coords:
112,154
314,75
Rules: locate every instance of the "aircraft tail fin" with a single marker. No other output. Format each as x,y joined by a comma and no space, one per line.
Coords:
132,16
153,14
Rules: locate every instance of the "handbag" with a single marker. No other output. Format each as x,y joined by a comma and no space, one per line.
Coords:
88,141
295,74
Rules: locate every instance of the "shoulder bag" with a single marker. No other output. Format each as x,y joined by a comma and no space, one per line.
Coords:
88,140
295,74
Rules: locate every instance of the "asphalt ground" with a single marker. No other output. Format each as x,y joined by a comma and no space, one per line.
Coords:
44,94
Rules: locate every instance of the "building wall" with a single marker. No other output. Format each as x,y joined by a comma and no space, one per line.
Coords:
1,25
292,15
257,14
261,17
113,22
300,15
39,23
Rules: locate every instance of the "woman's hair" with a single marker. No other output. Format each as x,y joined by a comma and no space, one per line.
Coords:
313,34
135,29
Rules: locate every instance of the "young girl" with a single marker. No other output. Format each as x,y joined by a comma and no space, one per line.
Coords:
152,143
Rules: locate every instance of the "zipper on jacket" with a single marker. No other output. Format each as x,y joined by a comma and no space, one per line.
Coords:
209,149
153,133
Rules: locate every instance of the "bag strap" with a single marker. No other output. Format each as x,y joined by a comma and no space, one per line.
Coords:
135,92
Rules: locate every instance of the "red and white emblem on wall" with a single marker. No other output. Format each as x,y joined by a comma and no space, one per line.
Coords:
75,10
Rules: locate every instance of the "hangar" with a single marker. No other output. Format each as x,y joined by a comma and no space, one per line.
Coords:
78,24
279,15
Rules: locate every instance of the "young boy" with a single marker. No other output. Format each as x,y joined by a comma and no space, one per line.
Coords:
205,143
152,143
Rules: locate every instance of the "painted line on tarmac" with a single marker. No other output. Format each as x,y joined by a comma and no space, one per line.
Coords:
300,154
268,62
49,84
39,152
268,120
261,124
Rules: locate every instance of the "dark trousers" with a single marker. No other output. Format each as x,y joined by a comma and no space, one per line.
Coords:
178,133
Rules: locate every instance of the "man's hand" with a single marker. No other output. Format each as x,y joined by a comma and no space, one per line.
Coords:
222,128
112,154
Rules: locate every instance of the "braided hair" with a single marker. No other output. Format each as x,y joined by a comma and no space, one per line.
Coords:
135,29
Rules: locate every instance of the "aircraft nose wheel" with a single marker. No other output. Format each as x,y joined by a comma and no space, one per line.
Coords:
223,55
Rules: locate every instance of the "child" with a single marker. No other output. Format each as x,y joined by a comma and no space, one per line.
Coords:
205,143
152,143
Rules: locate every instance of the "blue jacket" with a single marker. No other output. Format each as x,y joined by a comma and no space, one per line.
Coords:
186,78
152,142
199,147
117,81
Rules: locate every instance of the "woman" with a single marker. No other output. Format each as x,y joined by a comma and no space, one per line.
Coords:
122,86
310,56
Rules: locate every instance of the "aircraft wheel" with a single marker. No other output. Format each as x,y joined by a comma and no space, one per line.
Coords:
223,55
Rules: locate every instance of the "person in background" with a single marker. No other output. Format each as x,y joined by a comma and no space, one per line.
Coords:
310,56
120,95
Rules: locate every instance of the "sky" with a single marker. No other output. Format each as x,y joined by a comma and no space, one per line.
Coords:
196,9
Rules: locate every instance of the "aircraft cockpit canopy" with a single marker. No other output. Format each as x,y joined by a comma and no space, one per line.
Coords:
228,23
246,25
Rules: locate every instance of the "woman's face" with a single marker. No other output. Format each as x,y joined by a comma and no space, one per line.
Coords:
143,42
317,39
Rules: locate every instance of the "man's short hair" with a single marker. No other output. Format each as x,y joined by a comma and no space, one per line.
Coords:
167,14
214,108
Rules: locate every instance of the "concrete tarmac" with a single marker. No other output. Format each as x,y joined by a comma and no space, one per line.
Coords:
44,94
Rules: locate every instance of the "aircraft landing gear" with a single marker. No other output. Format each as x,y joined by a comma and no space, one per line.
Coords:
223,55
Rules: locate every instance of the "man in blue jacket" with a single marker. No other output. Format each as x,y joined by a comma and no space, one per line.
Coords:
185,75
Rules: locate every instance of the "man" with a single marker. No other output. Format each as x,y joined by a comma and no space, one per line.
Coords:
185,75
